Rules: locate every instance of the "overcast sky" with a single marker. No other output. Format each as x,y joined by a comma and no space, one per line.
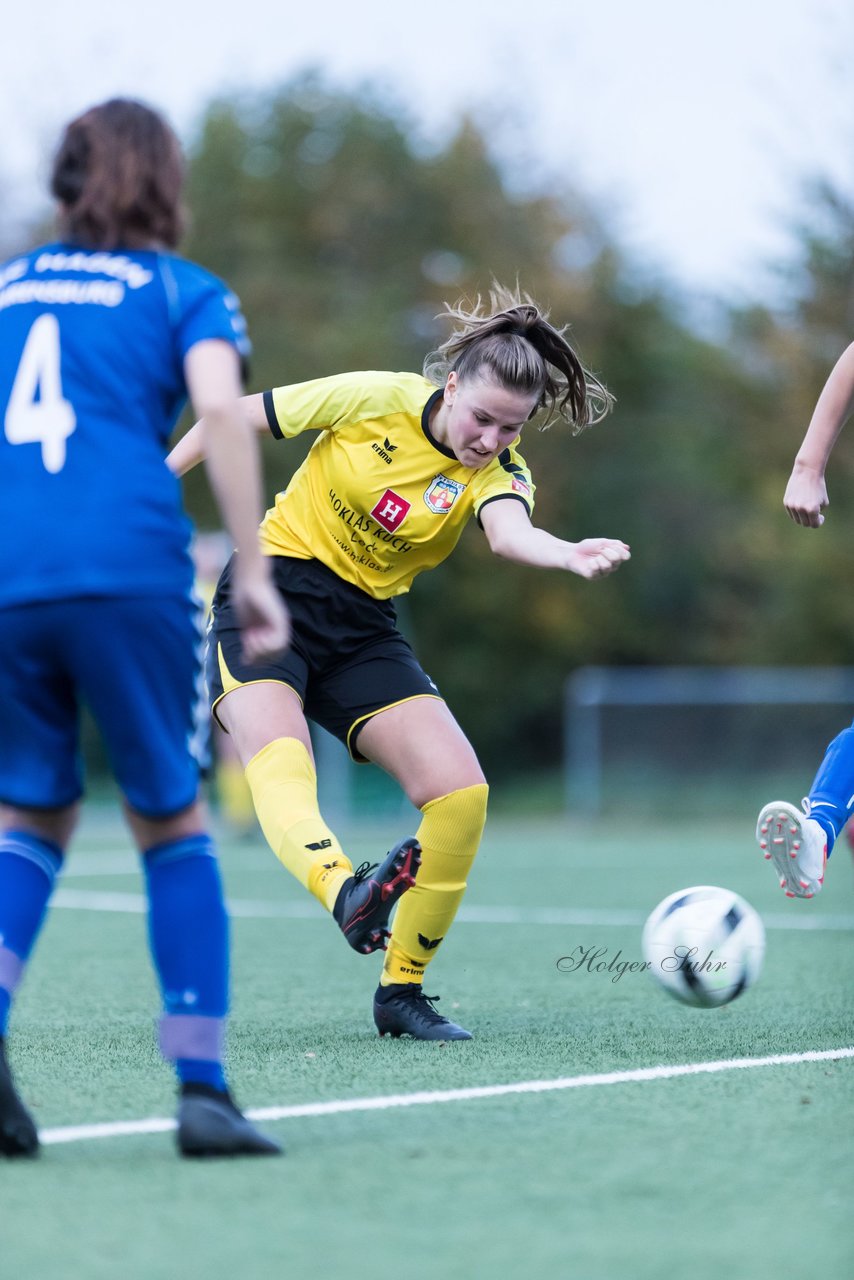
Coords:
691,123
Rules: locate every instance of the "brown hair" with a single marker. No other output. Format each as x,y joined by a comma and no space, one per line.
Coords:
512,341
118,174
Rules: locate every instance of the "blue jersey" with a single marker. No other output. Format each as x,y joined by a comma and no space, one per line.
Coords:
92,348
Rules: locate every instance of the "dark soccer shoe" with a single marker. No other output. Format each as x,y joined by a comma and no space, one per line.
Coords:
364,904
18,1136
209,1124
402,1009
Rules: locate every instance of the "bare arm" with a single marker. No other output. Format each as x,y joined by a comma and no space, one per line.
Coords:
191,449
511,535
231,454
806,492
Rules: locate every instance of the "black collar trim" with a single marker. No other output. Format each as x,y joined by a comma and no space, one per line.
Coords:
425,426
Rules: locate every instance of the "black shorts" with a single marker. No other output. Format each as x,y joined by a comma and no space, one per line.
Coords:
346,661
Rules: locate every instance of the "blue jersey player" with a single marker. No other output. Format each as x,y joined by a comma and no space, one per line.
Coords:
102,334
798,843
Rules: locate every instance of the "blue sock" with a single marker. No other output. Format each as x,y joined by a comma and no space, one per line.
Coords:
28,869
832,792
188,934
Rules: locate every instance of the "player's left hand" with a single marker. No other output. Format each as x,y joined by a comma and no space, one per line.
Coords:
597,557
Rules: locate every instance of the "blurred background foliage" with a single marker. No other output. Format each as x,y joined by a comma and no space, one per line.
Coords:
343,237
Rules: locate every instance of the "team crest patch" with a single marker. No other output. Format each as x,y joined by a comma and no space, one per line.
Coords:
391,510
442,493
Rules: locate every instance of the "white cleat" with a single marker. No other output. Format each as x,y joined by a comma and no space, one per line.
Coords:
797,846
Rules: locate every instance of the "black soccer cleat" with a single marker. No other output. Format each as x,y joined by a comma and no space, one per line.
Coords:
18,1136
402,1009
364,904
209,1124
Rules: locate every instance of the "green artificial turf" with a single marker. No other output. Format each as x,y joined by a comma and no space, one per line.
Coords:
742,1173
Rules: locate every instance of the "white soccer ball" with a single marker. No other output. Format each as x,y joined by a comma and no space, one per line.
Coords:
704,945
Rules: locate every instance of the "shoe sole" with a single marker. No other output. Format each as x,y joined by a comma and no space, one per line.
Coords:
201,1151
444,1036
366,931
779,834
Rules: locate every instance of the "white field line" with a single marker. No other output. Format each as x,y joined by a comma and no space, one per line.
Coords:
135,904
125,1128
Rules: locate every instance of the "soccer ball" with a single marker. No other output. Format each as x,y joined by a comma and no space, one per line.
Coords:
704,945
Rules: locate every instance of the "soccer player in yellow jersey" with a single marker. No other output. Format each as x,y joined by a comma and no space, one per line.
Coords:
400,464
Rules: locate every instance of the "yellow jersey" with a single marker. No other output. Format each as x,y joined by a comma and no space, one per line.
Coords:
377,499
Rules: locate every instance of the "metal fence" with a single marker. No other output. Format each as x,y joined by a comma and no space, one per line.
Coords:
690,723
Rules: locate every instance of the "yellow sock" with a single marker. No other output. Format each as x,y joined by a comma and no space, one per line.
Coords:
449,834
283,783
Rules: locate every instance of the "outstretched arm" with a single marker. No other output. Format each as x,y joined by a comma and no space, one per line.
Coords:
511,535
806,492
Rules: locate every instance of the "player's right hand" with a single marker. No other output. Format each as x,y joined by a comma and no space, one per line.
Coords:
596,557
806,494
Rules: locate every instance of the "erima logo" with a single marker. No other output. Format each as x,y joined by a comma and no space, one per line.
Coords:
416,972
320,844
429,943
385,450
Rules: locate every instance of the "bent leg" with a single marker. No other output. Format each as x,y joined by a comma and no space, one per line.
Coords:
831,796
270,733
422,746
272,738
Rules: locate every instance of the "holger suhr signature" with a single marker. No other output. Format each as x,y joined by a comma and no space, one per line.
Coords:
594,960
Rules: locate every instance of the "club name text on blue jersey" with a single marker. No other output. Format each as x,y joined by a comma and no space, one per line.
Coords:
92,350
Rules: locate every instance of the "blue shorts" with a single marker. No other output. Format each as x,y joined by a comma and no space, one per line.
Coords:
136,663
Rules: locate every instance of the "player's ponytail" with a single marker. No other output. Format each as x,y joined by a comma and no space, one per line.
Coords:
118,174
512,339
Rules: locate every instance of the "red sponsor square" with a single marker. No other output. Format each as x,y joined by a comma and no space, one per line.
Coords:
390,511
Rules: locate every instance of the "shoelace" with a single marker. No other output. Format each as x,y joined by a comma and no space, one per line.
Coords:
426,1005
363,870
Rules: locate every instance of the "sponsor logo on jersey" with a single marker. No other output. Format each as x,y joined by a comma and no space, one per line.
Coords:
385,450
518,485
322,844
391,511
442,493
